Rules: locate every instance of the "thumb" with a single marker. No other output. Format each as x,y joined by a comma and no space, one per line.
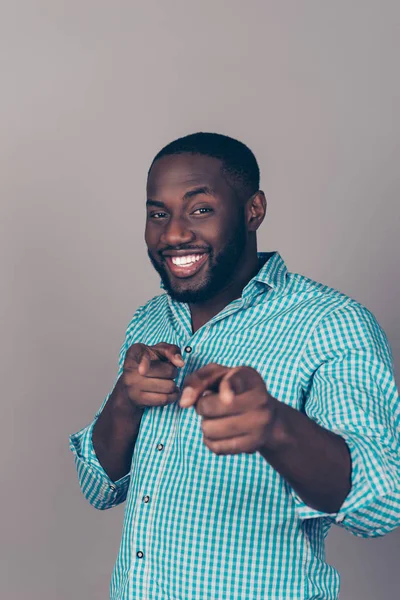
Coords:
226,387
170,353
144,359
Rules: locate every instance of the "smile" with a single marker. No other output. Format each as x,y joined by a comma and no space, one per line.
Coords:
186,266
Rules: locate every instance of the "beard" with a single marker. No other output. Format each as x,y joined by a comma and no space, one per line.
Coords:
221,270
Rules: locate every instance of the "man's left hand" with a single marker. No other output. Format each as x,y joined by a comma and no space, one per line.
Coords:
238,412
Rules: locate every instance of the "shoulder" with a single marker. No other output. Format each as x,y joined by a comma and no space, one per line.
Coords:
335,315
341,323
327,300
144,315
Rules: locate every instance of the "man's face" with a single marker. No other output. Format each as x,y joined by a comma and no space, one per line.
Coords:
195,228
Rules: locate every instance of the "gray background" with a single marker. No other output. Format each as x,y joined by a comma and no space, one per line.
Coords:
90,90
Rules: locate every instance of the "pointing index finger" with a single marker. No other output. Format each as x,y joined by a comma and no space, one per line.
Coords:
198,383
226,392
176,359
160,356
144,364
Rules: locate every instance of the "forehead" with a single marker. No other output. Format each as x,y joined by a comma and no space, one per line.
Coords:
179,172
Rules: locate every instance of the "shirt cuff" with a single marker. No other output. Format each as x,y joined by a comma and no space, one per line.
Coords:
369,480
96,485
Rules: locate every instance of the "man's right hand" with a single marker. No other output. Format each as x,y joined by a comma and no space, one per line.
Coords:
149,372
147,380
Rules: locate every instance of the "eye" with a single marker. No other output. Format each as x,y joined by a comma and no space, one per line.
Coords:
157,215
202,211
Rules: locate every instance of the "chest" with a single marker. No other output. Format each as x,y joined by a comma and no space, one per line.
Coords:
270,343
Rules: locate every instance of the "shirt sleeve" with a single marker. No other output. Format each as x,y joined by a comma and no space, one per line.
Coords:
100,491
350,390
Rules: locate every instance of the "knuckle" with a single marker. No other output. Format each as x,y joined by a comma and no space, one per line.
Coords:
250,447
213,365
170,387
205,428
129,358
264,417
209,444
134,348
247,369
217,448
141,400
131,350
172,347
233,446
169,398
191,380
245,372
199,408
160,347
127,378
134,352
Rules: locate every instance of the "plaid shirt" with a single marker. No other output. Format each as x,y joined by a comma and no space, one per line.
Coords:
204,527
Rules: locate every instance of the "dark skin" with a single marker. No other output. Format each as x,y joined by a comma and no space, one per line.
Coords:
193,208
175,221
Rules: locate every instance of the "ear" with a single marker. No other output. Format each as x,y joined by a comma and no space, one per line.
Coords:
256,207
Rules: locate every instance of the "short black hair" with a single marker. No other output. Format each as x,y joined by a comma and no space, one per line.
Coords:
239,165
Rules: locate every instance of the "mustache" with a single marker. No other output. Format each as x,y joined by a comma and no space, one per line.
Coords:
183,248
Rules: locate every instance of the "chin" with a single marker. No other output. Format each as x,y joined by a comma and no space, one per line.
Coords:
184,294
188,294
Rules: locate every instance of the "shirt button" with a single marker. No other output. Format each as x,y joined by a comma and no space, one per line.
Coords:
188,349
113,488
160,447
139,554
146,499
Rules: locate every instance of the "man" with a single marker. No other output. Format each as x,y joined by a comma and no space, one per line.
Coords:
253,409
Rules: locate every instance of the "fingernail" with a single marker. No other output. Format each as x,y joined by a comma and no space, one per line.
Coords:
187,397
179,357
227,396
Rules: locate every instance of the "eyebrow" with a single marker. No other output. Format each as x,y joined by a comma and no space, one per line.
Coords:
204,189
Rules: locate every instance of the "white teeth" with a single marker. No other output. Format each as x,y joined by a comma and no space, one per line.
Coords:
186,260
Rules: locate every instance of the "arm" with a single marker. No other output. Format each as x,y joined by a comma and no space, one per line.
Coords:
147,380
243,417
348,381
341,453
314,461
115,433
103,450
101,490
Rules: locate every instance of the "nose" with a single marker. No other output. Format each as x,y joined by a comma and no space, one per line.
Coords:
176,233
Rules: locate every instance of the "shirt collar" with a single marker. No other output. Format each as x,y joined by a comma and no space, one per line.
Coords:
272,273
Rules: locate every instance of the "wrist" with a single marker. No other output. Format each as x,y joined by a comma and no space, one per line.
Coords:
277,436
121,404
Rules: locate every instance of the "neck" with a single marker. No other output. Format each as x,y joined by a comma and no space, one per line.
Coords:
204,311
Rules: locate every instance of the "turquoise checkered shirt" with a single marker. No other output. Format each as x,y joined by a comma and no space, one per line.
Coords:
204,527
